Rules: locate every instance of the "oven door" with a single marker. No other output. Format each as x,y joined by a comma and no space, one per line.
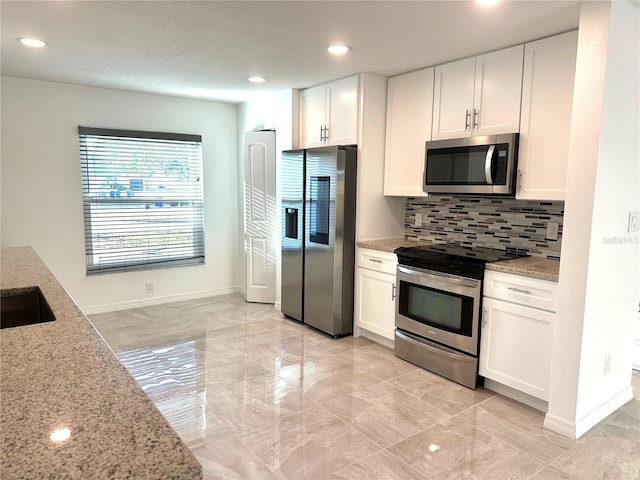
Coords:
440,307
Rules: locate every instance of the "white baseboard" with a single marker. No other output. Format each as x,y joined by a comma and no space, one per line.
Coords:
373,336
278,306
516,395
577,429
146,302
560,425
603,411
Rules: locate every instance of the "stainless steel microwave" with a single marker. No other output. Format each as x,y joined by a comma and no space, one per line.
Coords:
484,165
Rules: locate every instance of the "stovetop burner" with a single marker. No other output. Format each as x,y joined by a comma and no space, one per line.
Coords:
453,258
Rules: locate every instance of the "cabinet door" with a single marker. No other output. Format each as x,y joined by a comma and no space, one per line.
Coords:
312,116
453,99
498,88
375,302
547,100
515,346
409,112
342,111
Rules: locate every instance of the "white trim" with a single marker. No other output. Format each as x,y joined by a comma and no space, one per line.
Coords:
582,426
112,307
516,395
560,425
376,338
278,306
603,411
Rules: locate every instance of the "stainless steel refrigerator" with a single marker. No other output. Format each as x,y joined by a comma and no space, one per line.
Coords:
318,236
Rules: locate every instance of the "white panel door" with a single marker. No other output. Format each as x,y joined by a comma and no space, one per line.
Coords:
261,240
453,99
342,112
375,302
498,89
312,117
409,112
515,346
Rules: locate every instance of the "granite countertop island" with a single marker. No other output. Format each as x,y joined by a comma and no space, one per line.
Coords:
535,267
69,408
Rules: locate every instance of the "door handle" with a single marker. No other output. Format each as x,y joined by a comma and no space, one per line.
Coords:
519,290
321,133
476,115
393,291
487,165
467,119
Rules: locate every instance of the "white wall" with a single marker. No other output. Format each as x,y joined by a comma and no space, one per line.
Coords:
41,202
277,112
600,261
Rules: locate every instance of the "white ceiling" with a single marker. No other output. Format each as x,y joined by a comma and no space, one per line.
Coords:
206,49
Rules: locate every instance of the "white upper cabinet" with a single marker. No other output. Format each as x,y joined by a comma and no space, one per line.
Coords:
329,114
453,99
409,110
547,99
478,96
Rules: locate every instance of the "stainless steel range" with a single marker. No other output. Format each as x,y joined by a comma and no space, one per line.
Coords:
438,307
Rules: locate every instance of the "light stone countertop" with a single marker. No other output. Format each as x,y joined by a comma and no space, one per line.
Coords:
61,374
536,267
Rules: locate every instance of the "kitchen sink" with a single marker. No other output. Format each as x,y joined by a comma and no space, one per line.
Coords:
24,306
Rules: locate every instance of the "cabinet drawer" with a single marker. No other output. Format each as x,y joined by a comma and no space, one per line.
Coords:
379,261
527,291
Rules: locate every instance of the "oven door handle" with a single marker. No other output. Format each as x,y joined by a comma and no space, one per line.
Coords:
445,276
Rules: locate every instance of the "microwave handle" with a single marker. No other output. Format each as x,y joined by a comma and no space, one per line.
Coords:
487,165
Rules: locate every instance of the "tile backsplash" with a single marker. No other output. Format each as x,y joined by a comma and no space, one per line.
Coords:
478,221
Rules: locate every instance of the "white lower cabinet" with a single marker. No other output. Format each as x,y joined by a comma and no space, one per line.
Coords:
375,292
515,345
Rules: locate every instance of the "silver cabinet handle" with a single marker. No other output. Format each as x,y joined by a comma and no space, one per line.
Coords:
519,179
467,119
375,260
519,290
326,133
476,115
321,133
393,291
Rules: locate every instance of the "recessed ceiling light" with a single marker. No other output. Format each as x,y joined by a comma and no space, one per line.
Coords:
257,79
32,42
338,49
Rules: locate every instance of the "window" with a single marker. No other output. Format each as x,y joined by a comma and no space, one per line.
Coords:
142,199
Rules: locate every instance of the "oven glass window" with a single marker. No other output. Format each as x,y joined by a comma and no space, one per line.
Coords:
437,308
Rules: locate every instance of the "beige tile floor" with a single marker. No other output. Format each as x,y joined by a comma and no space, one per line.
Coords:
258,396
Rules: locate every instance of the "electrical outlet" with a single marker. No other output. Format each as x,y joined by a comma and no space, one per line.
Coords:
418,221
634,222
149,287
607,364
552,231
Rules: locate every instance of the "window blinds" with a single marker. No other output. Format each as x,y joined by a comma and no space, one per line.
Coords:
142,199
